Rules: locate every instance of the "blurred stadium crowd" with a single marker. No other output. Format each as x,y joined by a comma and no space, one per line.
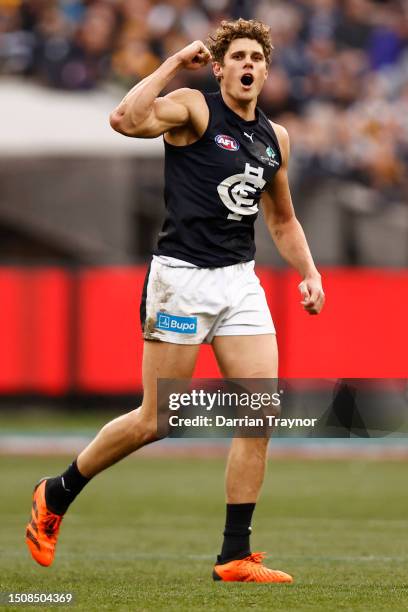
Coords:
338,80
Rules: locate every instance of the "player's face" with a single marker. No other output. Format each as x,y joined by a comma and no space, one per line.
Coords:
244,69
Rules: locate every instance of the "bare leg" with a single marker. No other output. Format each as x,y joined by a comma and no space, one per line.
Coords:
127,433
246,357
116,440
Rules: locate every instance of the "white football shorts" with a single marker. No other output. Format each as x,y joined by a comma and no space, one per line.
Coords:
184,304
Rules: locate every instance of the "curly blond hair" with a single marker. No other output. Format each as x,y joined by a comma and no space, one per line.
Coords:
228,31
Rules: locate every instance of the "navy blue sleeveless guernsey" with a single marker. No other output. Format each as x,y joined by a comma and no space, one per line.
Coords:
213,187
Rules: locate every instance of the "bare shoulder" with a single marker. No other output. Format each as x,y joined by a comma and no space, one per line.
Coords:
191,98
197,112
283,139
193,101
281,132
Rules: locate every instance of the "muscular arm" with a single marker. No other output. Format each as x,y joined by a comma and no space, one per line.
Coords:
143,114
287,233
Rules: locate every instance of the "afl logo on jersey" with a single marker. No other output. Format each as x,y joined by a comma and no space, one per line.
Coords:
226,142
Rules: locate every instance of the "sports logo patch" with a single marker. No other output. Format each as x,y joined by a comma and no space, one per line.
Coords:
241,192
226,142
270,159
180,325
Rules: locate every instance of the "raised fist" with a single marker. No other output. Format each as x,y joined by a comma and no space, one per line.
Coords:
194,56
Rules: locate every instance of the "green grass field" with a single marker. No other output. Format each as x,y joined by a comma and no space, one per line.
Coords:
144,534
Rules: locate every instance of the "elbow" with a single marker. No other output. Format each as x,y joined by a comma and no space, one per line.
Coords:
282,226
285,220
115,120
279,221
122,124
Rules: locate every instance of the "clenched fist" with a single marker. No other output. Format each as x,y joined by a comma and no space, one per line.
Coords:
194,56
312,294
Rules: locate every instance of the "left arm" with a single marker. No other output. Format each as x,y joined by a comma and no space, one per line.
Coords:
287,233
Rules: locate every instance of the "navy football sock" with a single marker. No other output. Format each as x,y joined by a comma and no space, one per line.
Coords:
61,491
237,532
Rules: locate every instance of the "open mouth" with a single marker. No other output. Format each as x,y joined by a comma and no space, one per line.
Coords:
247,80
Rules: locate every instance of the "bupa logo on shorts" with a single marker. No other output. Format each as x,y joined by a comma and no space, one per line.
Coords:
227,142
180,325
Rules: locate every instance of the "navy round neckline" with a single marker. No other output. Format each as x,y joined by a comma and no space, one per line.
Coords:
240,119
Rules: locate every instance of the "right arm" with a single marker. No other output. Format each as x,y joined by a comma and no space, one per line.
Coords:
142,114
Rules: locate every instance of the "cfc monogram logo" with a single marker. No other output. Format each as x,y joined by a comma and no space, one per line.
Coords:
241,192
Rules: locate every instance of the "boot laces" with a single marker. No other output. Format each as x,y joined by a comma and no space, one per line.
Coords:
51,523
256,557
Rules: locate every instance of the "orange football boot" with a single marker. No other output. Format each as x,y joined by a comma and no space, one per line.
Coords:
249,569
42,530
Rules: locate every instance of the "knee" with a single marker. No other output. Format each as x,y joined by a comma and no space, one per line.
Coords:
254,447
147,427
146,430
